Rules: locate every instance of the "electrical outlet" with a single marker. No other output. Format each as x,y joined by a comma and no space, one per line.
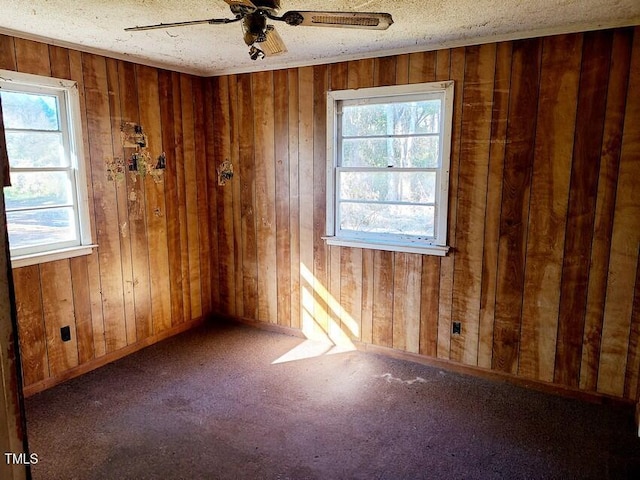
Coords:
457,328
65,333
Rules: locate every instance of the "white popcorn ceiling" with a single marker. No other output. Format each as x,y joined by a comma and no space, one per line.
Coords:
98,26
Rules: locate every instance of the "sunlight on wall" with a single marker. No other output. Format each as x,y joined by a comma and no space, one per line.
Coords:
326,324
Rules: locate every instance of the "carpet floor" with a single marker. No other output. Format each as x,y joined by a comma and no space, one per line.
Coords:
222,402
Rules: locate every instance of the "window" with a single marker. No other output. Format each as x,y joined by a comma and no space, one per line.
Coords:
388,177
47,209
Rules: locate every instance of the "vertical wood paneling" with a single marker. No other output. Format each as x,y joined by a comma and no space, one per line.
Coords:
122,207
106,297
549,196
137,225
105,204
501,90
605,206
383,273
624,244
472,187
294,194
543,146
222,143
406,303
191,194
32,335
525,70
207,243
282,197
57,307
456,57
265,184
167,115
594,77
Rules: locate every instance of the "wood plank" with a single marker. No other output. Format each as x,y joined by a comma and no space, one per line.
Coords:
191,194
549,193
383,276
402,69
7,53
499,120
587,146
185,272
248,197
265,187
93,267
105,204
407,301
121,201
234,120
624,244
384,71
306,218
475,144
57,308
366,316
361,73
294,195
282,186
82,308
155,205
457,58
222,129
32,57
212,196
605,205
174,246
525,74
59,60
136,212
422,67
320,248
351,289
31,329
340,323
429,305
207,248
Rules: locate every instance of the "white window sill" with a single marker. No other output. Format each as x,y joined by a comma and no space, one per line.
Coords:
50,256
407,247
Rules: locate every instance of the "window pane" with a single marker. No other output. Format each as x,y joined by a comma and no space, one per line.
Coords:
389,186
35,149
41,227
414,220
38,189
30,111
391,118
416,152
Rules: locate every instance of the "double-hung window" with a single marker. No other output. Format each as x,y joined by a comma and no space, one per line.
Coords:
46,204
388,167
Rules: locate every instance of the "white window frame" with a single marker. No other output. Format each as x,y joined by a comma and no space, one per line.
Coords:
434,246
71,127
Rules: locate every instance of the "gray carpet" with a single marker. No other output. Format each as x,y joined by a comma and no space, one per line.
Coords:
210,404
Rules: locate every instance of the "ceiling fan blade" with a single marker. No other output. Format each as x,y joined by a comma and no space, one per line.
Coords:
181,24
241,3
366,20
273,45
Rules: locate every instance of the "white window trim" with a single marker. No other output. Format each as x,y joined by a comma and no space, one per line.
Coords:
69,90
438,247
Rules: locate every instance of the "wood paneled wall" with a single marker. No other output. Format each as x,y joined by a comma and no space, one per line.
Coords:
544,219
151,275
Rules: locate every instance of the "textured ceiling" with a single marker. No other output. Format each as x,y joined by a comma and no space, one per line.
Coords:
98,26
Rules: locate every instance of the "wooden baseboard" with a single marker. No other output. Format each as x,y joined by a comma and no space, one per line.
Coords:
109,357
552,388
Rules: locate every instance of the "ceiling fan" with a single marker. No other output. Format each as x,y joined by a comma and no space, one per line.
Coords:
263,39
